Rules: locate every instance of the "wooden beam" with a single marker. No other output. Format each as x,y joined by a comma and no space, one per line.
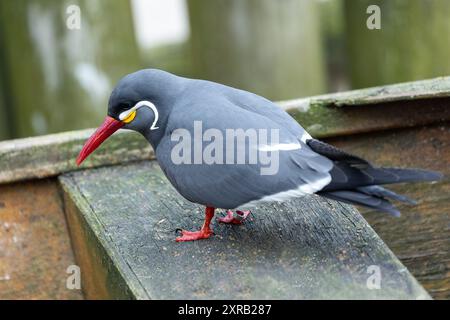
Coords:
323,121
407,91
373,109
50,155
123,222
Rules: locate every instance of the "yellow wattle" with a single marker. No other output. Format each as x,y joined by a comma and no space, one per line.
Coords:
130,117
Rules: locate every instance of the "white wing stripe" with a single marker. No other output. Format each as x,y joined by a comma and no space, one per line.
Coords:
302,190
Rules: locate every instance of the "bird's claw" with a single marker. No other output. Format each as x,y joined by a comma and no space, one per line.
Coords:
237,217
194,235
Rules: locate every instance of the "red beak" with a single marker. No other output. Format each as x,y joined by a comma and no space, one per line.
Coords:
108,127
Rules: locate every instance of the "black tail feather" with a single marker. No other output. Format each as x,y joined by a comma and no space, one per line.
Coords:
346,177
386,193
370,201
356,181
362,187
408,175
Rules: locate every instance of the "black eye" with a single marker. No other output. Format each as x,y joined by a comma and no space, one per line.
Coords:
117,110
124,108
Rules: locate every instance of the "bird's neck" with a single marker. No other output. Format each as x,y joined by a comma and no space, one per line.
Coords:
153,137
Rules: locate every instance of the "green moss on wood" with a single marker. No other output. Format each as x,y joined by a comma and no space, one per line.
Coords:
407,91
53,154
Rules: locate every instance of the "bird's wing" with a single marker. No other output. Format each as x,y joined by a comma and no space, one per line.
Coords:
297,169
253,103
264,107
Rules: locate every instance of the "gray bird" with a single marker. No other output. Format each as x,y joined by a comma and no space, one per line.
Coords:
227,148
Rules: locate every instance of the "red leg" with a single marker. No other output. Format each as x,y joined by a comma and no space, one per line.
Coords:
204,233
235,218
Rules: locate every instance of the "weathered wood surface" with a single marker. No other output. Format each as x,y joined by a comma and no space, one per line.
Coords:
50,155
54,154
35,249
331,121
123,222
420,238
424,89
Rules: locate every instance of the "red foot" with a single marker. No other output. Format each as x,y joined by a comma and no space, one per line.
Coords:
204,233
194,235
235,218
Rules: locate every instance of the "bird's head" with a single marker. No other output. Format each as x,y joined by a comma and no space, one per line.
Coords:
141,101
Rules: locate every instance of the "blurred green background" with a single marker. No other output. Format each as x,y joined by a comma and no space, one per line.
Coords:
54,77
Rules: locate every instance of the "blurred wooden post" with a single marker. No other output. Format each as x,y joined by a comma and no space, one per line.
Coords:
5,130
412,44
4,125
269,47
332,28
60,78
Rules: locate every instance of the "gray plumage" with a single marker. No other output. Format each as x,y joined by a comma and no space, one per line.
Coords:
313,167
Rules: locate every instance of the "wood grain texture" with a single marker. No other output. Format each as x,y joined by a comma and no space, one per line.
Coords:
380,108
331,120
406,91
35,249
50,155
420,238
310,248
100,277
